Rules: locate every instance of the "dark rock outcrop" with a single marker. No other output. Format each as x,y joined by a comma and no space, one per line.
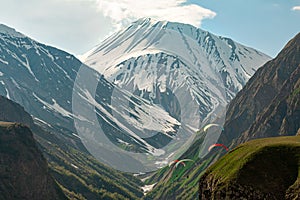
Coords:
209,189
13,112
23,170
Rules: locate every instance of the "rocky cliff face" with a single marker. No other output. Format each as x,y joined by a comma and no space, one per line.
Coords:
208,189
269,103
211,188
24,171
13,112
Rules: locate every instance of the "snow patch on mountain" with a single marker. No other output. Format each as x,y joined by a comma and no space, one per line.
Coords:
55,107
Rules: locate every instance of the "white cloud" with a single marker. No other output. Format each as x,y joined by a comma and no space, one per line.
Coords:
122,12
296,8
78,25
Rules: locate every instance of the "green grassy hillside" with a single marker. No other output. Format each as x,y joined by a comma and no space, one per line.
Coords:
270,167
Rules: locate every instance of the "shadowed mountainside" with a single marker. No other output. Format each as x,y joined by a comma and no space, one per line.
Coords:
269,104
23,170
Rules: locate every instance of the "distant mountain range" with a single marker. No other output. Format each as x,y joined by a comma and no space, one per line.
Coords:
40,78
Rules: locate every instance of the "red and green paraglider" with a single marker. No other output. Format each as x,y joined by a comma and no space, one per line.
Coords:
178,162
217,145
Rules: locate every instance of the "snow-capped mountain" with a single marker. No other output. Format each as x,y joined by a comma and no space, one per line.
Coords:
165,80
185,76
199,53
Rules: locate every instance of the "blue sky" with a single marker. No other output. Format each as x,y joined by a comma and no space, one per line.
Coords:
266,25
78,25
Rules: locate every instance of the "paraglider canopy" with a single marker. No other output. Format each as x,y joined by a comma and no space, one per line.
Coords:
210,125
180,162
217,145
174,161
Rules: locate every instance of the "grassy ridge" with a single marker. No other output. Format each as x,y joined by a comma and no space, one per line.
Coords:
227,168
269,165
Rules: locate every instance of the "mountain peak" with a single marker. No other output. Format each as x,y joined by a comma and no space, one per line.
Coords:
164,24
293,46
145,20
10,31
295,40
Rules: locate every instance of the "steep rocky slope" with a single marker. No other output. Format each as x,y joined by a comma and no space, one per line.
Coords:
24,171
13,112
269,103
